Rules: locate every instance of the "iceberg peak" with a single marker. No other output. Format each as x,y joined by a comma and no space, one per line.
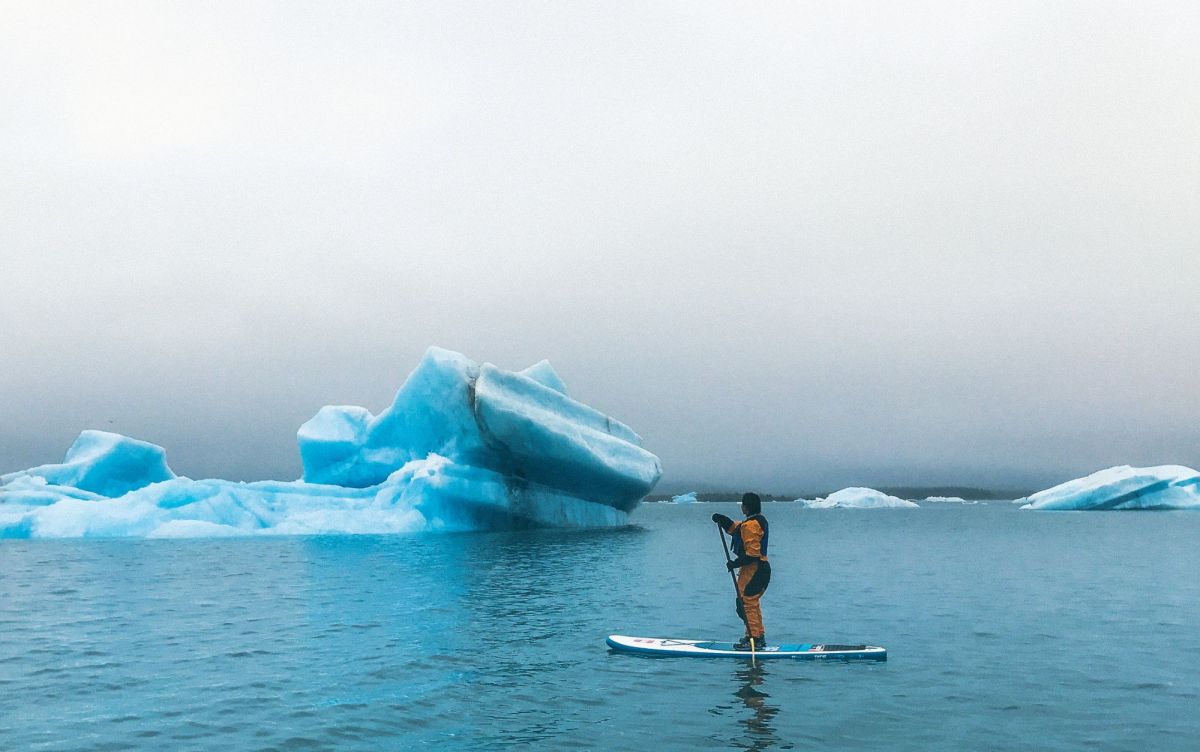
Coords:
544,373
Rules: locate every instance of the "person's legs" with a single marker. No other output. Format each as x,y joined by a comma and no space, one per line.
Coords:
754,615
754,622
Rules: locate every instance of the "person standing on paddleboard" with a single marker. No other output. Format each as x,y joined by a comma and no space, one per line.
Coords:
754,571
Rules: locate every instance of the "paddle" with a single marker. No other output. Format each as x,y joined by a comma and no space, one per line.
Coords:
737,592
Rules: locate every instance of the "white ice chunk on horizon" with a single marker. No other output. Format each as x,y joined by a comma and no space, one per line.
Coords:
687,498
858,498
948,500
463,446
1124,488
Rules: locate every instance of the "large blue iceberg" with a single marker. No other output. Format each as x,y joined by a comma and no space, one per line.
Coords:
464,446
1124,488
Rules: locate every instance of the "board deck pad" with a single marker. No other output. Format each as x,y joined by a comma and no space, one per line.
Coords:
700,648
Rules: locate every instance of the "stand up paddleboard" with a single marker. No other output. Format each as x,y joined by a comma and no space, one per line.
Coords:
709,648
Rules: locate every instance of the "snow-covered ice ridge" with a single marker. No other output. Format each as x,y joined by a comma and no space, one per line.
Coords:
1124,488
858,498
464,446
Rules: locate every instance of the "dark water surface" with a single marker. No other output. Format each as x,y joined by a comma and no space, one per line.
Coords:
1005,630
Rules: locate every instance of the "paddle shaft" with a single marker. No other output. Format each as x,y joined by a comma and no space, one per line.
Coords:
732,576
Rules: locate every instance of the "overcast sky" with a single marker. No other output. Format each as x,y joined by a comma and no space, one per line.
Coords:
794,245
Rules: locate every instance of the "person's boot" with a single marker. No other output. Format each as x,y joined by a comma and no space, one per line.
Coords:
744,644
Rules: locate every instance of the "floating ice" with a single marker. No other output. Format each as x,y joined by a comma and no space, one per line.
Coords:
520,425
858,498
1124,488
948,499
464,446
687,498
102,463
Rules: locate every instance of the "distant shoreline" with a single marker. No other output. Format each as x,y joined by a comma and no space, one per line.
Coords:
967,493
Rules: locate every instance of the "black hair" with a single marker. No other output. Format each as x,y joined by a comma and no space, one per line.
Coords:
752,503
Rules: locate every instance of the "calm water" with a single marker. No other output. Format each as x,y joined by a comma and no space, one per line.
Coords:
1005,630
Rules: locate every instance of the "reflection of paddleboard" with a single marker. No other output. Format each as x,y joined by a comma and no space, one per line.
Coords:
695,648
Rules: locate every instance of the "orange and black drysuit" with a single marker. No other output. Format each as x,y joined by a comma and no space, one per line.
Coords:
750,538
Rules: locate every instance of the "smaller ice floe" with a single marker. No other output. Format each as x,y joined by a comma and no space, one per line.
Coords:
1124,488
423,495
947,499
859,498
99,463
687,498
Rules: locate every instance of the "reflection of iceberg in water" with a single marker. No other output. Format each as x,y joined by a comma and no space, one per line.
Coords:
463,446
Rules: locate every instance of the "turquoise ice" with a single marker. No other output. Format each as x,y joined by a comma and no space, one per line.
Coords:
1124,488
464,446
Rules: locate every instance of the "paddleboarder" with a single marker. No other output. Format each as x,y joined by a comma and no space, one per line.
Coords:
749,538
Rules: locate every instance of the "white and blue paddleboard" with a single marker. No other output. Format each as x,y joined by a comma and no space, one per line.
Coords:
709,648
